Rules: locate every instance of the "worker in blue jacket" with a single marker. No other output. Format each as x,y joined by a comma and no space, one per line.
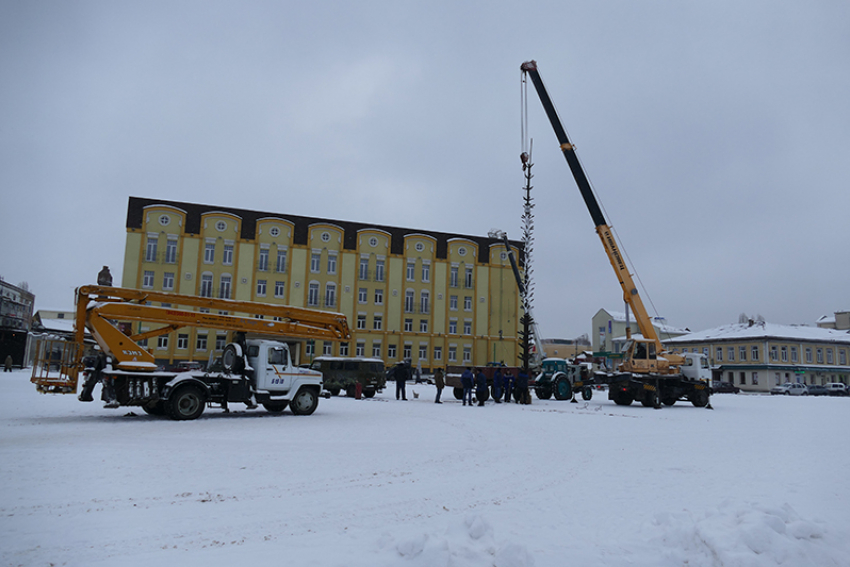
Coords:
480,387
467,380
498,381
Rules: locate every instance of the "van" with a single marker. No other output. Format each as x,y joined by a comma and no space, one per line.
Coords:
836,389
342,374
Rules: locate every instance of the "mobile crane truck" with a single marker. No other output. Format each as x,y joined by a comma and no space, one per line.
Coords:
648,373
255,370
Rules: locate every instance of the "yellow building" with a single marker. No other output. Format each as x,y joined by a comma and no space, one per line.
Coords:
433,298
758,356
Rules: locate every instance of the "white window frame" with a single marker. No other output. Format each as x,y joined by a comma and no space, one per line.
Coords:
225,286
209,253
330,294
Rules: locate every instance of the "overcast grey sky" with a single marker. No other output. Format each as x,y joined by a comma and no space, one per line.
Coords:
716,135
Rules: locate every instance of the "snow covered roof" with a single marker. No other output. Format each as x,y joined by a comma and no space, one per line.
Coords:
740,331
58,325
657,322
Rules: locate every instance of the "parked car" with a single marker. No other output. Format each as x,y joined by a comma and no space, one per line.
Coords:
837,389
817,390
724,388
790,389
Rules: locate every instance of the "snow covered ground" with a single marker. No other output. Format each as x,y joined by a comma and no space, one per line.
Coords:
758,481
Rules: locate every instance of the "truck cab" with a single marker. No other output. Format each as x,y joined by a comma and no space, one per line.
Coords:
273,368
696,366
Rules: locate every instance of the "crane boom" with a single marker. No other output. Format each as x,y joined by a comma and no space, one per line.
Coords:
630,292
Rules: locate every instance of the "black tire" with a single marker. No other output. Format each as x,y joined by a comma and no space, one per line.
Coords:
369,394
334,391
276,406
699,398
231,358
587,394
623,399
563,388
482,395
186,403
669,401
543,392
458,393
350,391
305,402
154,408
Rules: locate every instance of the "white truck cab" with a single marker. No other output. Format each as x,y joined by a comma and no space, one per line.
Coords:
273,369
696,366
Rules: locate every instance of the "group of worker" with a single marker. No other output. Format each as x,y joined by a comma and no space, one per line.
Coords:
473,379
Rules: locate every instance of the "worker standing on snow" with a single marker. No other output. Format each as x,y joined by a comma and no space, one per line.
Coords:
497,386
467,380
399,374
480,387
522,394
509,385
440,382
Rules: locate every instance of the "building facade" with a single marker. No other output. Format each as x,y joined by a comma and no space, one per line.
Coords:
16,306
758,356
432,298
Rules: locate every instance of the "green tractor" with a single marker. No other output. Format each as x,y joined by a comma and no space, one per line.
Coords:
561,379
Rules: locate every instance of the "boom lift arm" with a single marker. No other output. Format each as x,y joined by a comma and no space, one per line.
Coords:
98,307
630,292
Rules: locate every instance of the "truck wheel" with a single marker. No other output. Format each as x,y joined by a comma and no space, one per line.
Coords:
622,399
350,391
305,402
668,401
369,393
458,392
649,399
275,407
563,388
334,391
231,358
543,392
154,408
586,394
699,398
186,403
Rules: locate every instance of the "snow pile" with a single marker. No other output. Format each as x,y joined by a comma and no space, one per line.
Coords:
471,543
742,534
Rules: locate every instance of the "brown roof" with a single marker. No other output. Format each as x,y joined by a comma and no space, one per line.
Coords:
194,211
